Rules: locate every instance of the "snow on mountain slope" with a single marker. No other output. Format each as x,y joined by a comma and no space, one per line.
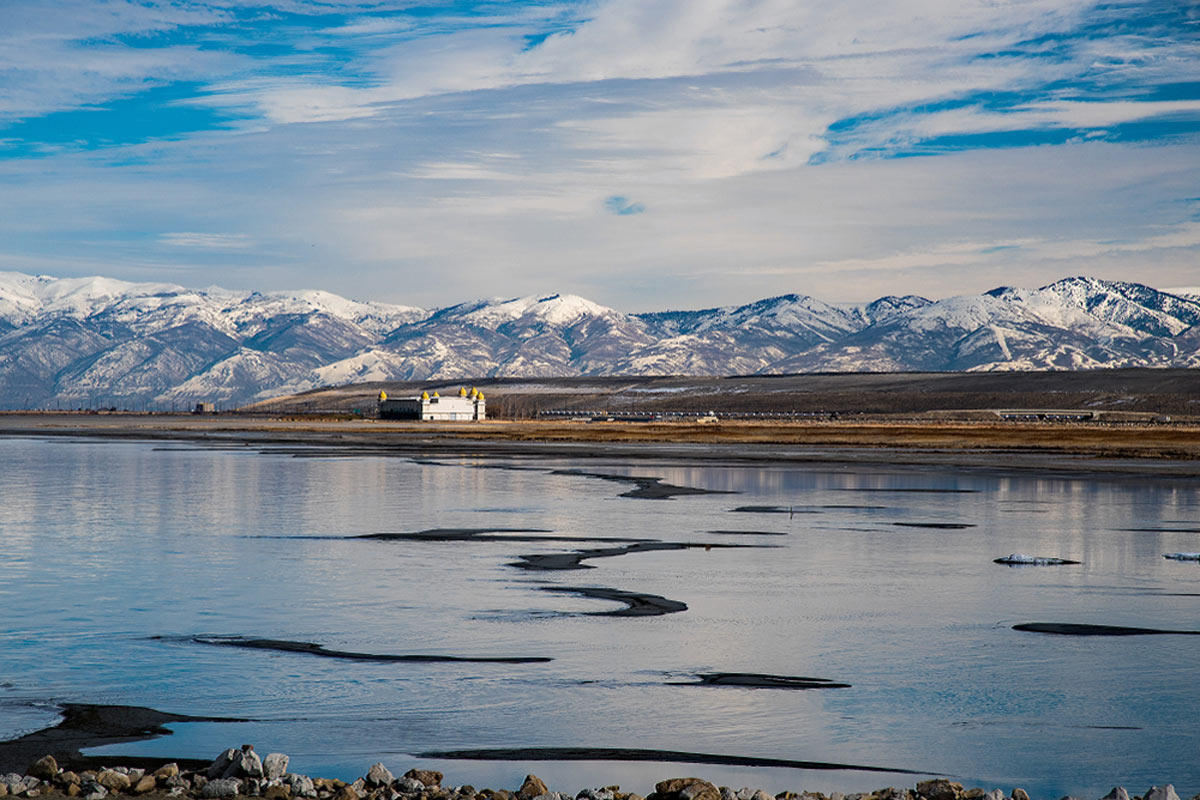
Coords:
1076,323
555,309
89,341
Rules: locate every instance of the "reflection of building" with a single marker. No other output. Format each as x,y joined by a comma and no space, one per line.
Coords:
465,406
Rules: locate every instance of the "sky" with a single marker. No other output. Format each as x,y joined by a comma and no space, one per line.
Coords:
646,154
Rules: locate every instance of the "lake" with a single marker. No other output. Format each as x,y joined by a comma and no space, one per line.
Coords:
129,567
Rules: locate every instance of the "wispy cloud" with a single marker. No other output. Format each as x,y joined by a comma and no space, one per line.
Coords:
211,241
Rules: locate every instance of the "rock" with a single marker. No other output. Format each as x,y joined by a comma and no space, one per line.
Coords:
410,785
1117,793
1020,794
942,789
974,794
274,766
94,791
594,794
379,775
761,795
246,764
347,792
112,780
170,770
301,785
45,768
73,790
222,787
532,787
66,778
146,783
221,763
687,789
1161,793
280,791
994,794
428,777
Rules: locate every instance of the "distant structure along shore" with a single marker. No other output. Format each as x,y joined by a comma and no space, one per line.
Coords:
435,408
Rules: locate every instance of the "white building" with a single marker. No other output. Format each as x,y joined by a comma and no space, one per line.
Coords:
465,406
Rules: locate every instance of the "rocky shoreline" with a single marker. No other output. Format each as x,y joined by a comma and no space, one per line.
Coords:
240,772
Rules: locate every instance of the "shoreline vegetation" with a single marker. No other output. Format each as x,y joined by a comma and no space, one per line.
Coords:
1047,445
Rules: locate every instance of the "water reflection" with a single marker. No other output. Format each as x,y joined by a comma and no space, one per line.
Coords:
107,545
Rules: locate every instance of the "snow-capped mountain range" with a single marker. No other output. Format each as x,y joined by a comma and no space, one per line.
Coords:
102,342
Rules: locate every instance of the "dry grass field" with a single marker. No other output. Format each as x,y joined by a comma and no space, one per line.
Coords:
1174,441
1146,415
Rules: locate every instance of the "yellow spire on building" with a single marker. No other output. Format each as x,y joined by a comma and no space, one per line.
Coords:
382,395
474,392
480,396
424,395
435,394
462,391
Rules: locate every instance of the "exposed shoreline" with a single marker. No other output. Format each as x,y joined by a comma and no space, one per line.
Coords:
1084,448
62,772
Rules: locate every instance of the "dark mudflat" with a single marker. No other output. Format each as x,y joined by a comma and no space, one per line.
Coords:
638,604
449,534
941,526
1037,561
631,754
1163,530
1075,629
854,507
789,510
749,533
85,725
644,488
906,491
557,561
755,680
317,650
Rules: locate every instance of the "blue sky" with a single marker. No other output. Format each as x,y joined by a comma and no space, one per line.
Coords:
675,153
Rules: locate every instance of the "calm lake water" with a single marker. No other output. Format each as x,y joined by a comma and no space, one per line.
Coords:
107,544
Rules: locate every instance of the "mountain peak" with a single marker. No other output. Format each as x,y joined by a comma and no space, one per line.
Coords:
145,343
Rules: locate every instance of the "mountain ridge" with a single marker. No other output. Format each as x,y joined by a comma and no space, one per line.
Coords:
87,342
